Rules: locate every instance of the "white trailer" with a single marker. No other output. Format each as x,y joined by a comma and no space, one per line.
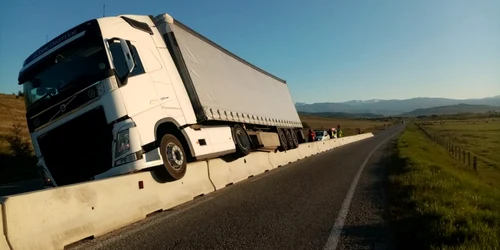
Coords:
120,94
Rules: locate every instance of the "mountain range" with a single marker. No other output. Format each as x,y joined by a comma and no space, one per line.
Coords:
391,107
453,109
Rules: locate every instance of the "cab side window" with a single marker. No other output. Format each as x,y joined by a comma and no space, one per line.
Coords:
119,60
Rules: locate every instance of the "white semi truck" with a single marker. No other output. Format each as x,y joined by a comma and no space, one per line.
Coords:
117,95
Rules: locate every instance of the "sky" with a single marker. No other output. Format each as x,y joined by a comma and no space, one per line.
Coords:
326,50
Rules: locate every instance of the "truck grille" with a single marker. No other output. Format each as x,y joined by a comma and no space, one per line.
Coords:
79,149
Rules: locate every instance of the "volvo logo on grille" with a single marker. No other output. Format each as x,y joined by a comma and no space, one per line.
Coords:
91,93
62,108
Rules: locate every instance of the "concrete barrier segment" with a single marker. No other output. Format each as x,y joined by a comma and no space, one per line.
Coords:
222,172
54,218
3,238
308,149
323,146
279,159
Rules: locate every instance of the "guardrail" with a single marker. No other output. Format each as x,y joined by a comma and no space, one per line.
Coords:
56,217
460,154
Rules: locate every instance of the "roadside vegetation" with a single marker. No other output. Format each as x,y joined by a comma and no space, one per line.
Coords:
480,136
438,203
17,162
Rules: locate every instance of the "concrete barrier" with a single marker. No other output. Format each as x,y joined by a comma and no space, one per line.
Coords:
335,143
323,146
308,149
53,218
3,239
222,173
279,159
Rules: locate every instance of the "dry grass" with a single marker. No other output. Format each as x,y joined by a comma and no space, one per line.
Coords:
12,111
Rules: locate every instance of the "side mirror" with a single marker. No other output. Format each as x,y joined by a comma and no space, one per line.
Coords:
129,59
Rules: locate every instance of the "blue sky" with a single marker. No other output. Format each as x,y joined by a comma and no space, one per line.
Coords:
326,50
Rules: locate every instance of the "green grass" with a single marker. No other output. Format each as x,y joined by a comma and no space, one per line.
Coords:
437,203
481,137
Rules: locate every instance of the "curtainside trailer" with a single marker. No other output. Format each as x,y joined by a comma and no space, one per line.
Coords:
117,95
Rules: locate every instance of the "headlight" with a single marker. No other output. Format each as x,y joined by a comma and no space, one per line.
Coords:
122,142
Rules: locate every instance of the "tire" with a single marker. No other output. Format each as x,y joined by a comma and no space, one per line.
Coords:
241,141
295,139
283,140
289,138
174,157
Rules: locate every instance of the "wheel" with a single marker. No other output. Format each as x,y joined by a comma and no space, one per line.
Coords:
283,140
174,156
242,141
289,138
295,140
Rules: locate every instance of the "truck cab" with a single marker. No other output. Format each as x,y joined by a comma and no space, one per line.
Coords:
100,96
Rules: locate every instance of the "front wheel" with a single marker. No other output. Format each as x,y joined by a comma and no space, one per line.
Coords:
174,157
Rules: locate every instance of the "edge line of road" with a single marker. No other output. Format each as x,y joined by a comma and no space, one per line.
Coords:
333,238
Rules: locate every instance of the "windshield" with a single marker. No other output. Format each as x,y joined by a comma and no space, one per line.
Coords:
320,133
76,63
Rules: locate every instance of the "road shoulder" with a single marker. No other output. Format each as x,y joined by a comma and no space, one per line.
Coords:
367,225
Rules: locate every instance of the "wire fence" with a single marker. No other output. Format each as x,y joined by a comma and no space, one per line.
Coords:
460,154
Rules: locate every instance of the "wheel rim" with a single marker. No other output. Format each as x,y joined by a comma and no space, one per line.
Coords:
175,157
295,139
289,136
242,139
282,137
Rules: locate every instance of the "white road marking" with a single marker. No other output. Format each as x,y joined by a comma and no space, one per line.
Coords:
334,237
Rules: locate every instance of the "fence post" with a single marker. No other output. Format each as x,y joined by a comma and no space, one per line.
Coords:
459,154
475,163
463,156
468,159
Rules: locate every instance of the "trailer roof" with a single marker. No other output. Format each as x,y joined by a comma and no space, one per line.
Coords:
193,32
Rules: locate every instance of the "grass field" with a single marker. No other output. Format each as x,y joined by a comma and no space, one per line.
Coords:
437,203
481,137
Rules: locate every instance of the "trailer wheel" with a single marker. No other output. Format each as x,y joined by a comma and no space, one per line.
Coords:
283,140
174,157
242,141
295,140
289,138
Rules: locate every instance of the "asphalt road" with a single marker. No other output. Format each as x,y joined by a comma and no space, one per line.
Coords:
304,205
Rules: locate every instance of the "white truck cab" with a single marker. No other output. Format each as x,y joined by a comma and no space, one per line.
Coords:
116,95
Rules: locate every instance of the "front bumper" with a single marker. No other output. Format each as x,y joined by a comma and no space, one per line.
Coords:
123,162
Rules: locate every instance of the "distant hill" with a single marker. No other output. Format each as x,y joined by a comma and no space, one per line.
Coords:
452,109
342,115
390,107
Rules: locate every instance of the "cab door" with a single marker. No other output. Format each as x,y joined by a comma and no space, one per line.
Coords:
138,92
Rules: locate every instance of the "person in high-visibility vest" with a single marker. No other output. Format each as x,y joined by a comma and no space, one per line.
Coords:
339,133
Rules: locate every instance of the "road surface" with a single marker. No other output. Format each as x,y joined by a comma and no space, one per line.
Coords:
304,205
